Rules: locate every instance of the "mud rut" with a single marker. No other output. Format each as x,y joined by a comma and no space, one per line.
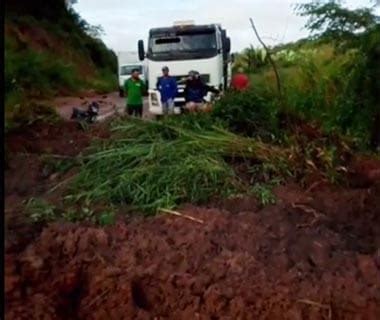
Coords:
313,255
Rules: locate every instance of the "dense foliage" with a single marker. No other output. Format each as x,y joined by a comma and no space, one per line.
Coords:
331,20
247,113
358,105
333,76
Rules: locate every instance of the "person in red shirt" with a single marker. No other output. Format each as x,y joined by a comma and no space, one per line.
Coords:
240,81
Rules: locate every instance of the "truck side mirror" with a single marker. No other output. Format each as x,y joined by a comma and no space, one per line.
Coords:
141,50
228,45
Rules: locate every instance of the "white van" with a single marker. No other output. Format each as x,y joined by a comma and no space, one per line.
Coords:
128,61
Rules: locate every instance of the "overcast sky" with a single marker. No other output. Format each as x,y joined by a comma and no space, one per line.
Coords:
126,21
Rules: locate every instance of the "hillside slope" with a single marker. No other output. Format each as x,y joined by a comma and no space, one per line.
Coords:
50,50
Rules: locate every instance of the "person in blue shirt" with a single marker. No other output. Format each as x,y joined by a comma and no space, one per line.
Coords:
167,86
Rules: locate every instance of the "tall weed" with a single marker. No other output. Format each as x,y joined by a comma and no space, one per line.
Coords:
247,113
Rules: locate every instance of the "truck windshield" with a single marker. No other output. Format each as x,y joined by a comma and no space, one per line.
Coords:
182,45
127,70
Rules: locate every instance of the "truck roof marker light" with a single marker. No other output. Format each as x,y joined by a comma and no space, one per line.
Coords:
183,23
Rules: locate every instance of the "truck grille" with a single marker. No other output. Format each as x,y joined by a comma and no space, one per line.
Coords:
182,78
180,99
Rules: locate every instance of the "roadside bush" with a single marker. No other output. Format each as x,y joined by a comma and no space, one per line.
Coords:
106,81
27,113
251,60
333,93
28,75
35,73
100,55
357,108
328,87
247,113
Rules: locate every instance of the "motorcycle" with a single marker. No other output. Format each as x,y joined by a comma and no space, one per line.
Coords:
90,115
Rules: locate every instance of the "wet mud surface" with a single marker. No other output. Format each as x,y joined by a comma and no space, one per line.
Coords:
315,254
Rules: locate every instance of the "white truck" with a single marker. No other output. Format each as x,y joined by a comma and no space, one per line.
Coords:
127,61
184,47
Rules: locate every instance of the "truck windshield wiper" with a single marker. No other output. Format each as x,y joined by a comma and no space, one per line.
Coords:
166,53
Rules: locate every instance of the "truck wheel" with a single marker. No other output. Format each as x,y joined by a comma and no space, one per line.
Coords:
121,93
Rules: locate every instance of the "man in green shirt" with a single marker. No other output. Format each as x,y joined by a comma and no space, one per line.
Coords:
134,89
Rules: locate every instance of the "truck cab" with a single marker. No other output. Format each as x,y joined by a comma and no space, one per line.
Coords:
184,47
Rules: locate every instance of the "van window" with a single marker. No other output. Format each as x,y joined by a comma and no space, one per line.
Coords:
127,70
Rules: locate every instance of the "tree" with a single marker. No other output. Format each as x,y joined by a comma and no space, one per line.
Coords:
39,9
358,29
330,20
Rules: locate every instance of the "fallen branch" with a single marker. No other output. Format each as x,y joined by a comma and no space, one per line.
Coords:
58,156
317,215
178,214
59,185
318,305
306,209
278,81
97,298
315,185
306,225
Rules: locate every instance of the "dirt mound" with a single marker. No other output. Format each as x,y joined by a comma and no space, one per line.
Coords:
29,175
364,172
65,138
304,258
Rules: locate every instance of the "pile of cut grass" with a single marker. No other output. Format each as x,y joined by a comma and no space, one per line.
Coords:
153,165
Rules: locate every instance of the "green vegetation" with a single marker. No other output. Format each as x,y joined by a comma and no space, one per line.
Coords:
35,73
25,114
248,113
41,211
152,165
264,194
332,78
320,86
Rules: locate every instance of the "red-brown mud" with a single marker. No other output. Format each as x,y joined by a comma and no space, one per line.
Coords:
64,138
313,255
28,175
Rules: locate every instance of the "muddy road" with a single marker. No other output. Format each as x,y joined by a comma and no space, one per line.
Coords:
110,104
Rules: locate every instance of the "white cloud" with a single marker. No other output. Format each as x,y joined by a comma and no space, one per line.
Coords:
126,21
